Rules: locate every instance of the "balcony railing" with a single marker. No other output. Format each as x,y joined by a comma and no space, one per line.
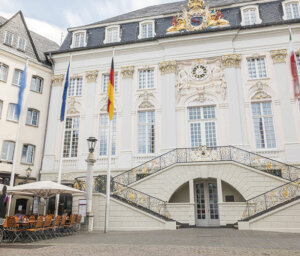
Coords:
209,154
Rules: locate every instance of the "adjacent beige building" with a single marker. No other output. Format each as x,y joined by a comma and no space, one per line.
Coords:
18,44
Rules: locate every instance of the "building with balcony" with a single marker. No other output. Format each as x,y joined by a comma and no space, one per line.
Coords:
206,129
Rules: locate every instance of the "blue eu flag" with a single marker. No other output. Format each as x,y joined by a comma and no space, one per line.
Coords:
64,97
21,92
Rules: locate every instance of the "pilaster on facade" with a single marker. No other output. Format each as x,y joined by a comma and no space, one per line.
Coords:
57,80
232,60
127,72
279,56
91,76
167,67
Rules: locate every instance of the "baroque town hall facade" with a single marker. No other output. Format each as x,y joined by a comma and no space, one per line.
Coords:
206,129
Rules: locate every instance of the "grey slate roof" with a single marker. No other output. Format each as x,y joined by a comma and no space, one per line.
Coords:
41,43
271,14
163,9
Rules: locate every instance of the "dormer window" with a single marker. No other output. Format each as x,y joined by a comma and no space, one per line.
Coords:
291,9
147,29
112,34
250,15
21,44
79,39
9,38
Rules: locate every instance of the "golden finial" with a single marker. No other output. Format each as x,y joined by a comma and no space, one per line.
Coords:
196,3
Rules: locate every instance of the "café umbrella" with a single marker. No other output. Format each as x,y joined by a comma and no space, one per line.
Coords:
44,189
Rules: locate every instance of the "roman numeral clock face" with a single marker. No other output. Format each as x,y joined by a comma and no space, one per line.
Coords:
200,72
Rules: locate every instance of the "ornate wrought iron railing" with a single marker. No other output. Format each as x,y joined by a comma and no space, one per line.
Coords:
141,200
128,195
271,199
209,154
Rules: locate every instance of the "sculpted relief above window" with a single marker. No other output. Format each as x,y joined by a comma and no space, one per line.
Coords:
201,76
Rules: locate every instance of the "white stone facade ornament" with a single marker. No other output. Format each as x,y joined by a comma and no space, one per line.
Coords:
167,67
91,76
231,60
146,102
127,72
261,95
279,56
73,106
201,77
57,80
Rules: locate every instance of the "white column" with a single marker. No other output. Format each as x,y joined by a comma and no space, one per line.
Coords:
237,115
192,191
51,145
168,104
89,113
125,159
220,190
284,84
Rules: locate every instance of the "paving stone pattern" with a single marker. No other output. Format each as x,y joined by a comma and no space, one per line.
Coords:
206,242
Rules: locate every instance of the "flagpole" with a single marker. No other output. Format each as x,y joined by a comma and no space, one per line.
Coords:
12,175
109,145
61,150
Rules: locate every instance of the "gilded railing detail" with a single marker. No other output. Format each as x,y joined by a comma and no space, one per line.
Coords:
272,198
209,154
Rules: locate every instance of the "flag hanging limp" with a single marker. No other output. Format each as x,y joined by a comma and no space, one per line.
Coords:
21,92
64,97
294,68
111,92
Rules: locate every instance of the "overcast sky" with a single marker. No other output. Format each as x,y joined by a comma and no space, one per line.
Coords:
51,18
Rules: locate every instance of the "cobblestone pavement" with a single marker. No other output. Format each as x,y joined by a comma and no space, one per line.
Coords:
206,242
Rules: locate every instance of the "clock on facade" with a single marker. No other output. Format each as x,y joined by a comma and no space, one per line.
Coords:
199,72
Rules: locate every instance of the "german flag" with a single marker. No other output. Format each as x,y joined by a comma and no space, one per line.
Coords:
111,92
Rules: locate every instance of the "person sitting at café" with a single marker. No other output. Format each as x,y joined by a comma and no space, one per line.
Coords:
20,214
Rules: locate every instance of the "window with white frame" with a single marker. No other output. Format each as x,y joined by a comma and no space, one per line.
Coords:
146,79
12,112
104,129
257,68
291,10
112,35
79,39
7,153
37,84
71,137
105,81
75,87
3,72
146,132
9,38
32,117
147,29
1,107
28,154
17,77
21,44
250,15
263,125
202,126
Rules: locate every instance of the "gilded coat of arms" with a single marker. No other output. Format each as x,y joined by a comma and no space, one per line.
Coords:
197,17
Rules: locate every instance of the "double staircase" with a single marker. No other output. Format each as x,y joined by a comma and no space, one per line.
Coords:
123,191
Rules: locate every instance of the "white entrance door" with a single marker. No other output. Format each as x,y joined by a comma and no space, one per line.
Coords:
207,211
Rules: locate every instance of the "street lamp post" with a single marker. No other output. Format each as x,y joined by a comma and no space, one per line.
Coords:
89,182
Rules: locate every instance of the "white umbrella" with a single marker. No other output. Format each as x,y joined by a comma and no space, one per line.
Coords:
44,189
